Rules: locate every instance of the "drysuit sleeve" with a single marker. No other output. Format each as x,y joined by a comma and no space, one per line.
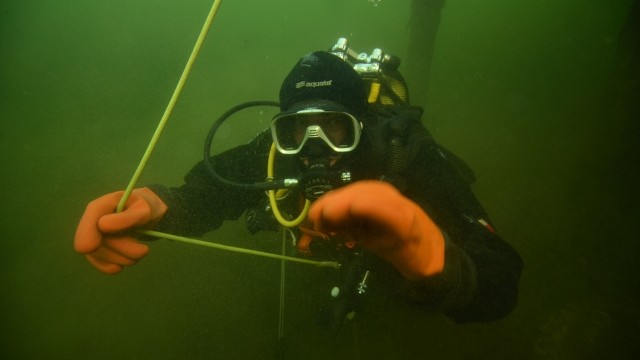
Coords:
201,204
481,273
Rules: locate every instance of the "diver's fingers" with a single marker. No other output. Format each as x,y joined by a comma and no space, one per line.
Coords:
128,247
103,266
109,256
88,237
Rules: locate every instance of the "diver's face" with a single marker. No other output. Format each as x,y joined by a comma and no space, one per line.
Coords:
315,135
332,126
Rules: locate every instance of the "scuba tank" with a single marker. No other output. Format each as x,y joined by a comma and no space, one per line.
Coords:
391,132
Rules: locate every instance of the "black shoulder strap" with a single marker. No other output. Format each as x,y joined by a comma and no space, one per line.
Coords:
398,136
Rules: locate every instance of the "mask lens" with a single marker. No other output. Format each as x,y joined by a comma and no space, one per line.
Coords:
283,134
341,131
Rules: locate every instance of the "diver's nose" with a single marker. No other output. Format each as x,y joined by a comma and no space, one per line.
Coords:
315,148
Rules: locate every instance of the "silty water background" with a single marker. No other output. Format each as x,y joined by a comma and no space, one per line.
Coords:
532,94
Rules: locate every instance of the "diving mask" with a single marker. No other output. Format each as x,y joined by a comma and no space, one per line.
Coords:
339,130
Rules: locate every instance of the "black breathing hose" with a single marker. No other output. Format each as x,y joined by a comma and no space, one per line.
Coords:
209,162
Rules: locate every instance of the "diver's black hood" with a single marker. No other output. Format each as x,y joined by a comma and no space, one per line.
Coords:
322,76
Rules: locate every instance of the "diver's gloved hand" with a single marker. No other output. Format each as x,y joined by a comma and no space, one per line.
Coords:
379,218
101,232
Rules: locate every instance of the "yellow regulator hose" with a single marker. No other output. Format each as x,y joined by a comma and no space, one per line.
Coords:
272,197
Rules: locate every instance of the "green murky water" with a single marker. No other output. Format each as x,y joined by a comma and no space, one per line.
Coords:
532,94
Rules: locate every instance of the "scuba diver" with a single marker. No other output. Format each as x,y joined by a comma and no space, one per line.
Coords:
382,197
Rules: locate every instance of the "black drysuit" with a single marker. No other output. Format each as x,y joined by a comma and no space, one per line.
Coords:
481,273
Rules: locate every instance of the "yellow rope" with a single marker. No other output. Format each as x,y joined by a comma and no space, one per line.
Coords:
183,239
171,105
154,141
